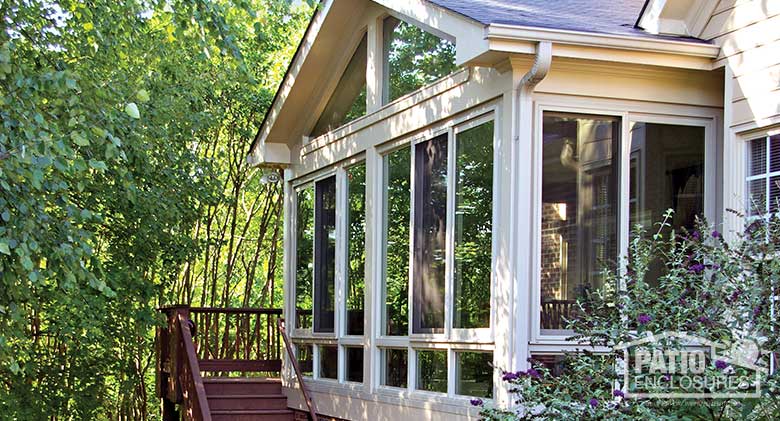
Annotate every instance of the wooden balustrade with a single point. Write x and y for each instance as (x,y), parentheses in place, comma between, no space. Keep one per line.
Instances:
(212,340)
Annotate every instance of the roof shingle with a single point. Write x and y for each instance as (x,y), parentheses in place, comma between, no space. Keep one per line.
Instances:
(615,17)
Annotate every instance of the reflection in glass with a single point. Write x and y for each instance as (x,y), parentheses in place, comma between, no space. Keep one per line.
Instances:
(667,172)
(432,371)
(430,222)
(348,101)
(395,368)
(329,360)
(325,255)
(413,58)
(397,176)
(304,353)
(304,256)
(354,364)
(356,245)
(473,226)
(474,374)
(579,210)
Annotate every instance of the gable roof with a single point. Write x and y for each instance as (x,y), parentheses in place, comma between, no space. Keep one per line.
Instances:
(613,17)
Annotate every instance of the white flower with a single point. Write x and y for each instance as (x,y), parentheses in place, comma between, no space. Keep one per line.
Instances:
(538,409)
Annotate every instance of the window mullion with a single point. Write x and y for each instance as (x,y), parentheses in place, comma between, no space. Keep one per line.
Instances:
(767,200)
(412,227)
(449,260)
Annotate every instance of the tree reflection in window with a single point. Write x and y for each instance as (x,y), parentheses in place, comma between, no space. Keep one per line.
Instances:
(413,58)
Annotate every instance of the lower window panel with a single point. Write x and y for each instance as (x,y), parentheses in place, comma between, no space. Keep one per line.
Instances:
(432,370)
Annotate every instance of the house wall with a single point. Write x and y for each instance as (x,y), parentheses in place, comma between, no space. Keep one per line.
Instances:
(748,32)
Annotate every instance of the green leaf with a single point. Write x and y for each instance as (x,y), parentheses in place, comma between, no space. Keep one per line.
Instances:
(142,95)
(79,139)
(132,110)
(98,165)
(6,215)
(4,247)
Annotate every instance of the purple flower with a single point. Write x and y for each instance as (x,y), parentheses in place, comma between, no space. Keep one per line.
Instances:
(757,311)
(618,393)
(715,234)
(704,320)
(667,377)
(477,402)
(697,268)
(509,376)
(721,365)
(593,402)
(534,374)
(644,319)
(696,235)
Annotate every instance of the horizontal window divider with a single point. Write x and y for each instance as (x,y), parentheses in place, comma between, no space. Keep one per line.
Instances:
(558,348)
(353,341)
(762,176)
(314,340)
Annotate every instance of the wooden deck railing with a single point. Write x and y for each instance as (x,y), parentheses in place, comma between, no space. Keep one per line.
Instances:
(199,340)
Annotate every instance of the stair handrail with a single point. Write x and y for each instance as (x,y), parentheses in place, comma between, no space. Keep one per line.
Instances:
(194,393)
(306,396)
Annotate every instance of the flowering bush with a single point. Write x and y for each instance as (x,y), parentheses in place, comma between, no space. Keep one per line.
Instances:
(693,282)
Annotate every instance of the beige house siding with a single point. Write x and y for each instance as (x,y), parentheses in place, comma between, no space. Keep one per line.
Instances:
(749,35)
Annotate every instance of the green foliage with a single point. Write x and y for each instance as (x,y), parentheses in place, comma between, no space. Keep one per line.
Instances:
(105,177)
(706,287)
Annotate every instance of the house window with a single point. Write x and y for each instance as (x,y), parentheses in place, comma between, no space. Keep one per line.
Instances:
(439,193)
(304,257)
(356,248)
(430,242)
(413,58)
(354,358)
(329,357)
(348,101)
(582,165)
(432,370)
(304,354)
(579,209)
(474,374)
(394,367)
(325,254)
(473,227)
(763,181)
(396,220)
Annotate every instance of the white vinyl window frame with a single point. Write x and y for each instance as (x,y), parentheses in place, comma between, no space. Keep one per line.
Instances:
(450,340)
(766,174)
(555,343)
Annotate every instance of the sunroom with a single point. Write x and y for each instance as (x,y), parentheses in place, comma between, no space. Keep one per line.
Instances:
(454,181)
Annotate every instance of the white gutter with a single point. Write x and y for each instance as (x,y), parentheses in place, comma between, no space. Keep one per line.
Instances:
(499,32)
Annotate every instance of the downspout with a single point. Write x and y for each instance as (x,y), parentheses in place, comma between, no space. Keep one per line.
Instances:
(524,209)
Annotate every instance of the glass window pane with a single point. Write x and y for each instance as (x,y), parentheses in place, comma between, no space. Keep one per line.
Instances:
(395,368)
(413,58)
(432,371)
(348,101)
(669,174)
(774,194)
(473,226)
(474,374)
(397,242)
(304,257)
(304,355)
(579,210)
(329,362)
(354,364)
(325,255)
(356,240)
(757,159)
(774,153)
(430,222)
(757,197)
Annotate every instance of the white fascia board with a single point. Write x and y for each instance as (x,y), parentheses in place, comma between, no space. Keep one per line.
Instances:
(273,155)
(501,32)
(468,34)
(699,16)
(292,73)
